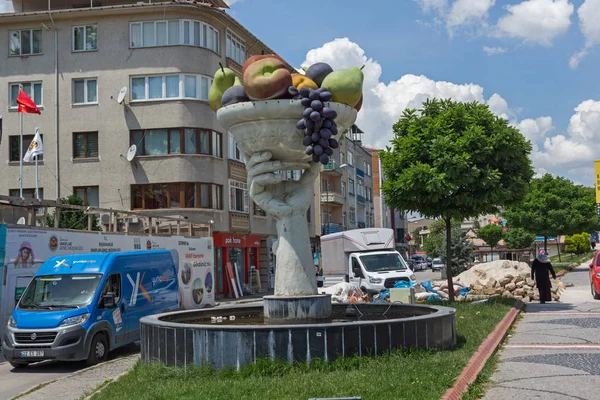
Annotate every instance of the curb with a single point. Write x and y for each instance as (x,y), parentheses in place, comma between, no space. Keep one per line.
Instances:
(484,352)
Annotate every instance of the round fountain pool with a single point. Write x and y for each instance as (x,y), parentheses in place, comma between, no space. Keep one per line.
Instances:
(213,337)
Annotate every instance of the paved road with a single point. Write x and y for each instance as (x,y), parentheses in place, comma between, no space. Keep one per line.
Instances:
(554,353)
(14,382)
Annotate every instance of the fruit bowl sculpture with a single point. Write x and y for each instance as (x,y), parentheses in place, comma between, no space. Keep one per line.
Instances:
(283,121)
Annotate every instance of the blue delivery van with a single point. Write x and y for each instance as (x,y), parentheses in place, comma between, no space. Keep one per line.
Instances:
(81,306)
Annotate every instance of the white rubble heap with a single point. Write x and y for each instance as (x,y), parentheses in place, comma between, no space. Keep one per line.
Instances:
(497,278)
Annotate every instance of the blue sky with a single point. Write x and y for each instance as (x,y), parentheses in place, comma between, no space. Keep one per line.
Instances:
(415,49)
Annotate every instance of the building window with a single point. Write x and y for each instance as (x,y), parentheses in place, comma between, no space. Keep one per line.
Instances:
(88,194)
(177,195)
(85,145)
(27,193)
(238,196)
(233,152)
(369,169)
(85,91)
(259,212)
(174,32)
(343,189)
(25,42)
(236,48)
(341,159)
(350,159)
(170,87)
(85,38)
(32,89)
(352,215)
(351,186)
(152,142)
(13,147)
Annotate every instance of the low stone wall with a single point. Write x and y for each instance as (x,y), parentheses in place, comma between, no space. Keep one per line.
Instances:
(168,339)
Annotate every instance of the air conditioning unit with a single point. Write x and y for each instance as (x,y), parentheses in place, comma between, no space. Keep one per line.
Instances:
(134,220)
(105,219)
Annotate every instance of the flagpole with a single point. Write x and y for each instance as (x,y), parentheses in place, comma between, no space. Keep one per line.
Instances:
(37,191)
(21,154)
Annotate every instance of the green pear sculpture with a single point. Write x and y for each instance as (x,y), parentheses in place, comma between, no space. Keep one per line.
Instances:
(345,85)
(223,80)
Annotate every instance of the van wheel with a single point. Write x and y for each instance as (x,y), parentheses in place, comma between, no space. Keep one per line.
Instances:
(18,365)
(98,350)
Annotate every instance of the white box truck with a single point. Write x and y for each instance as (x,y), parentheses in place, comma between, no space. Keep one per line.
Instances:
(364,257)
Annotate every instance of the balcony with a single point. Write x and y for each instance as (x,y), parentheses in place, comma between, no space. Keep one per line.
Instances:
(332,197)
(360,199)
(333,166)
(48,5)
(326,229)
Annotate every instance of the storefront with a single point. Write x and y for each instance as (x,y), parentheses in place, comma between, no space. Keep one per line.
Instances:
(242,251)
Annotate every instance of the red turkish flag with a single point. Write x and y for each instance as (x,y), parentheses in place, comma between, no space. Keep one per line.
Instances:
(25,104)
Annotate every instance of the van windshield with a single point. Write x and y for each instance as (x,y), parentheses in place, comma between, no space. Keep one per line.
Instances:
(383,262)
(49,292)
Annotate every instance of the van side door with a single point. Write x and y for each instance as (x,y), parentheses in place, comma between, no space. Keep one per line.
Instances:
(113,315)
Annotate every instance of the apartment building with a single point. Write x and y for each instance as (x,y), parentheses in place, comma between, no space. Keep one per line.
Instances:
(73,58)
(347,186)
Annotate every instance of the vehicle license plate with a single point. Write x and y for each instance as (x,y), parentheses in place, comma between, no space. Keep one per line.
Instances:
(32,353)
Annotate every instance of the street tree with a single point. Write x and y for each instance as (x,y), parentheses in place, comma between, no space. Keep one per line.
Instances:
(491,234)
(462,250)
(73,219)
(555,206)
(455,160)
(518,239)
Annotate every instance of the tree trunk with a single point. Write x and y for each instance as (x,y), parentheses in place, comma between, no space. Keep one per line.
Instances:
(491,254)
(449,258)
(558,247)
(546,244)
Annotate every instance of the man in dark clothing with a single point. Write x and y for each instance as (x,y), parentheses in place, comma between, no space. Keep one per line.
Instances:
(539,272)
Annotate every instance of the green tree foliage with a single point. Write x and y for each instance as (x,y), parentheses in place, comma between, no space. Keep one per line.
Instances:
(462,250)
(578,243)
(491,234)
(518,238)
(455,160)
(73,219)
(555,206)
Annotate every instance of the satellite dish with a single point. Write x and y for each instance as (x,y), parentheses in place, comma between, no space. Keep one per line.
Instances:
(21,221)
(131,152)
(122,94)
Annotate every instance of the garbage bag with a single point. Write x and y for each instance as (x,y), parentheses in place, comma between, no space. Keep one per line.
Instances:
(404,284)
(464,291)
(384,294)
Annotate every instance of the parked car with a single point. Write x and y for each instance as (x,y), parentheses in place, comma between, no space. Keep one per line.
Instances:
(437,264)
(429,262)
(595,276)
(420,261)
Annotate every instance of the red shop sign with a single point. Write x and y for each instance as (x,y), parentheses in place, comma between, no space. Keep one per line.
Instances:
(233,240)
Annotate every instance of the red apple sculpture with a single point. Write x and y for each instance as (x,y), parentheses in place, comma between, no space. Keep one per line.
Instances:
(254,59)
(267,78)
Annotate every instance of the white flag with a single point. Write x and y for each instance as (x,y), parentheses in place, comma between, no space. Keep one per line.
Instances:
(36,148)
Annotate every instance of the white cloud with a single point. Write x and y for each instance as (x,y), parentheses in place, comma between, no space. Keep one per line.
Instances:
(458,13)
(536,21)
(492,51)
(585,124)
(499,106)
(231,2)
(383,103)
(589,15)
(464,12)
(535,129)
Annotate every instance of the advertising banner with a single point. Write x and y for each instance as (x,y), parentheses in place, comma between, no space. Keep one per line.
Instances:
(27,249)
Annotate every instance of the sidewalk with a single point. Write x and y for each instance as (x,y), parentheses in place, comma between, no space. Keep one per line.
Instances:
(554,353)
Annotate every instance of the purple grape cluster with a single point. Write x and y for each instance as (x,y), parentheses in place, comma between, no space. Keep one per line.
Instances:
(318,124)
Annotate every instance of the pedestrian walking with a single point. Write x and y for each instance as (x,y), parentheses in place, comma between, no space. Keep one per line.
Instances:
(539,272)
